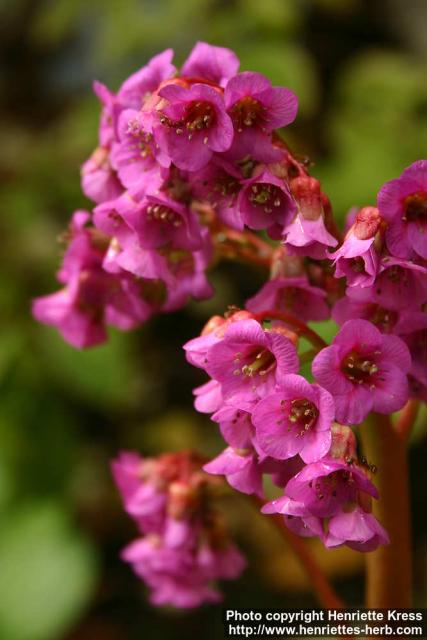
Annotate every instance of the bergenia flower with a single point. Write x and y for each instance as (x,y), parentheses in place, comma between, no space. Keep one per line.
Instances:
(192,125)
(292,295)
(401,284)
(265,202)
(249,361)
(219,183)
(364,370)
(403,204)
(412,328)
(348,309)
(99,181)
(242,469)
(358,259)
(185,547)
(295,419)
(135,89)
(324,499)
(307,234)
(256,109)
(135,156)
(217,64)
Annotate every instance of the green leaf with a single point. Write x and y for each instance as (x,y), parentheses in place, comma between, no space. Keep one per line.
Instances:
(47,573)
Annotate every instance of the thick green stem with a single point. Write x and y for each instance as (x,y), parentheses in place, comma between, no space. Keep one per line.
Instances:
(389,568)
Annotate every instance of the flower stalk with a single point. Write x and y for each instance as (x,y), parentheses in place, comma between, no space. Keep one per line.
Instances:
(389,568)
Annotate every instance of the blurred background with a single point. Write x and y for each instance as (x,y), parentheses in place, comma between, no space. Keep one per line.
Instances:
(359,68)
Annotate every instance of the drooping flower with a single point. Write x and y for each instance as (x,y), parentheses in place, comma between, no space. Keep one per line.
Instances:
(241,467)
(307,234)
(331,499)
(364,370)
(192,125)
(403,204)
(357,259)
(185,547)
(295,419)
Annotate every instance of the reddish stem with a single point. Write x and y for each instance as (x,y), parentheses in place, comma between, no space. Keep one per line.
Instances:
(407,418)
(300,326)
(324,591)
(389,568)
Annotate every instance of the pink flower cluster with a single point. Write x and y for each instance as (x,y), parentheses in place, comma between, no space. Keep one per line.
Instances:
(384,261)
(180,154)
(275,422)
(190,167)
(184,547)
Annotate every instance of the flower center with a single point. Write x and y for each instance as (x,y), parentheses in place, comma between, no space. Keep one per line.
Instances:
(142,138)
(358,368)
(199,115)
(357,264)
(303,414)
(267,196)
(383,318)
(416,207)
(263,362)
(161,213)
(247,112)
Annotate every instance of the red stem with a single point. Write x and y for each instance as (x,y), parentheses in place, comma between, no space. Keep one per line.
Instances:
(389,568)
(407,418)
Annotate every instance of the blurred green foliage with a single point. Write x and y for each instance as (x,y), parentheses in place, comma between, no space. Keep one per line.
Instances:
(360,79)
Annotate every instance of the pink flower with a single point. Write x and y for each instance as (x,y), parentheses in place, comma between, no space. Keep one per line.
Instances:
(295,419)
(348,309)
(265,202)
(325,499)
(249,361)
(92,297)
(219,183)
(242,469)
(143,499)
(217,64)
(364,371)
(208,397)
(135,157)
(98,179)
(185,549)
(179,577)
(403,204)
(158,221)
(357,259)
(256,109)
(292,295)
(192,125)
(400,285)
(235,425)
(412,328)
(134,90)
(307,235)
